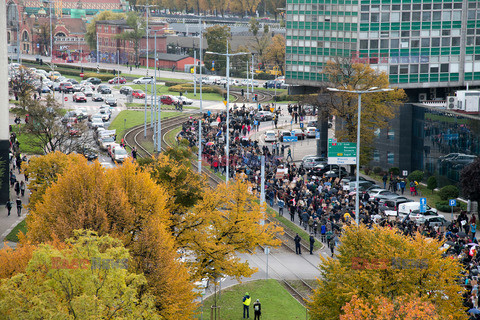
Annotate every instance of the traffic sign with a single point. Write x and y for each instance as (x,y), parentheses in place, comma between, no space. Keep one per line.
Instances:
(317,134)
(405,173)
(423,205)
(301,125)
(452,202)
(66,99)
(255,123)
(82,74)
(341,152)
(290,139)
(225,102)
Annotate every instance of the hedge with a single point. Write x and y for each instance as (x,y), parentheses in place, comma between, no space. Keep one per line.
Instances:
(103,77)
(449,192)
(445,207)
(189,88)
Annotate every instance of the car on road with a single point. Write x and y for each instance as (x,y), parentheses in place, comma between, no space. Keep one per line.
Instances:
(104,89)
(270,136)
(89,154)
(54,75)
(139,94)
(97,97)
(111,100)
(185,100)
(84,83)
(126,90)
(87,91)
(299,134)
(391,204)
(311,131)
(72,81)
(168,100)
(248,82)
(106,141)
(433,221)
(77,88)
(263,116)
(96,123)
(94,80)
(46,89)
(79,97)
(284,133)
(143,80)
(117,80)
(312,161)
(66,87)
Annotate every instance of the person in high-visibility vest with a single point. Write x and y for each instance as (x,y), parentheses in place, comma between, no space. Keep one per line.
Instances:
(246,305)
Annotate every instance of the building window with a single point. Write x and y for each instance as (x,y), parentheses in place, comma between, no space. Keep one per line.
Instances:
(376,155)
(390,157)
(390,134)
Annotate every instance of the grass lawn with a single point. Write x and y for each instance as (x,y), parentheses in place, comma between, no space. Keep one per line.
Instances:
(170,137)
(276,302)
(127,119)
(13,235)
(27,143)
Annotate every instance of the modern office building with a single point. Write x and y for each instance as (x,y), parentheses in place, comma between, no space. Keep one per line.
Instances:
(427,48)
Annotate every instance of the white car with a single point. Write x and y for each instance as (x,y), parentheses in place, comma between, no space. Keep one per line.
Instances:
(143,80)
(311,132)
(185,100)
(270,136)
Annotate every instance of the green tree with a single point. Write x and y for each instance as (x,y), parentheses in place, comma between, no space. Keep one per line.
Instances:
(217,37)
(449,192)
(470,180)
(431,183)
(136,32)
(416,175)
(377,108)
(91,35)
(382,263)
(22,85)
(261,41)
(86,279)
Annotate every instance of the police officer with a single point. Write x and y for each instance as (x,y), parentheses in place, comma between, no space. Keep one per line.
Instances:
(246,305)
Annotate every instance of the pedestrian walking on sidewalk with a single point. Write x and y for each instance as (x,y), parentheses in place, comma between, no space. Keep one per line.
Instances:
(257,310)
(312,243)
(298,249)
(9,206)
(289,154)
(19,206)
(17,188)
(22,188)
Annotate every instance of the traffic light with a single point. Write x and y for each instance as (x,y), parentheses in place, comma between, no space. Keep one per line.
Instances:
(256,97)
(41,62)
(242,93)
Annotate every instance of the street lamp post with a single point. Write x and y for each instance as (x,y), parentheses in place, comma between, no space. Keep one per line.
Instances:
(228,55)
(359,92)
(201,99)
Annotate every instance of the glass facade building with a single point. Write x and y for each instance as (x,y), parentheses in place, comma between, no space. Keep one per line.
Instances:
(420,44)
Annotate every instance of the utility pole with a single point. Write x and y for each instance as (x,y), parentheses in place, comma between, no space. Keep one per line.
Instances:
(98,54)
(154,105)
(201,100)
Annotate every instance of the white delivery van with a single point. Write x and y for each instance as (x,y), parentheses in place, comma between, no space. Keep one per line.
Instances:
(405,208)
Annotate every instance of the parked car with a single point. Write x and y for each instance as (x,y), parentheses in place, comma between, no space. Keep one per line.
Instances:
(46,89)
(106,141)
(66,87)
(94,80)
(77,88)
(139,94)
(126,90)
(284,133)
(143,80)
(270,136)
(310,132)
(111,100)
(168,100)
(54,75)
(97,97)
(433,221)
(84,83)
(79,97)
(185,100)
(299,134)
(120,80)
(104,89)
(391,204)
(72,81)
(263,116)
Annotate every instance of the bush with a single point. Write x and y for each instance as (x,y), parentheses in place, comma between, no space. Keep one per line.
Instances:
(174,83)
(449,192)
(377,170)
(431,183)
(395,171)
(444,206)
(416,175)
(367,171)
(189,88)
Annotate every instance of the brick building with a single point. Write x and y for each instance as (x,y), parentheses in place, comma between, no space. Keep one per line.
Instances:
(112,49)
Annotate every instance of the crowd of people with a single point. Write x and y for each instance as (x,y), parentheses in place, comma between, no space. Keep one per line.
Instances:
(320,204)
(18,185)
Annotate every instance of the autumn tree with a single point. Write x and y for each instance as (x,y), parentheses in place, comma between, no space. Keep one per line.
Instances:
(22,85)
(15,260)
(91,34)
(377,108)
(409,307)
(470,180)
(127,204)
(43,172)
(137,29)
(87,278)
(50,134)
(381,263)
(227,220)
(217,37)
(43,35)
(275,52)
(261,40)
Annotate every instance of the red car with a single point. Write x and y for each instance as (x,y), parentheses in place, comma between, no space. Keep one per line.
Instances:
(79,97)
(120,80)
(168,100)
(139,94)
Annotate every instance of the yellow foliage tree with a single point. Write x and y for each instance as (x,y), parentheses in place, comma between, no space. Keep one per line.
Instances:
(377,108)
(87,279)
(227,220)
(13,261)
(126,203)
(43,171)
(275,53)
(380,262)
(409,307)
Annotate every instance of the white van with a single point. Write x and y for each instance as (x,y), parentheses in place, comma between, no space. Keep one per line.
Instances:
(212,80)
(405,208)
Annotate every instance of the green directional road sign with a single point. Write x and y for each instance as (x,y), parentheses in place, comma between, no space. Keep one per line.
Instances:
(341,152)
